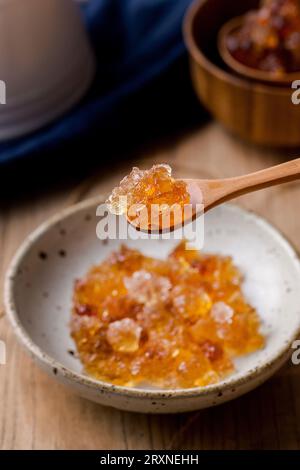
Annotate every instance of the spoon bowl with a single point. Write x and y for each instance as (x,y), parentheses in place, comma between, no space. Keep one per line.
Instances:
(174,217)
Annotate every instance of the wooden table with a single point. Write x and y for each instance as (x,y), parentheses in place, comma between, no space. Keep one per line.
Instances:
(37,413)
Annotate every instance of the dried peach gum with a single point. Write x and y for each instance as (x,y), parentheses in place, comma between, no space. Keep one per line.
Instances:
(269,39)
(174,323)
(142,190)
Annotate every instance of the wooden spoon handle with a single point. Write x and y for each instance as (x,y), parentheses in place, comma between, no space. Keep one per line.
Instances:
(278,174)
(229,188)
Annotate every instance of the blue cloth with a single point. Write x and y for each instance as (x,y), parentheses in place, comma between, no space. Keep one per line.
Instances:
(136,42)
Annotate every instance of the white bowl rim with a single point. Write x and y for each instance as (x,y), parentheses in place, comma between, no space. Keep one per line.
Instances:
(36,352)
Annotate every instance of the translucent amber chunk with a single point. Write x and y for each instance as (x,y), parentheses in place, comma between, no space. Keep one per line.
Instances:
(173,323)
(124,335)
(269,39)
(148,196)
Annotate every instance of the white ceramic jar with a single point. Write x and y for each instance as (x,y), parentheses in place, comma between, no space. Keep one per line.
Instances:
(46,62)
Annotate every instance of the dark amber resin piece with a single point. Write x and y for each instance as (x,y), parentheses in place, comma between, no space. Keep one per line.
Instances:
(269,39)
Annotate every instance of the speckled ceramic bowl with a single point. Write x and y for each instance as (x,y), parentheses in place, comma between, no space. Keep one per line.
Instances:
(38,292)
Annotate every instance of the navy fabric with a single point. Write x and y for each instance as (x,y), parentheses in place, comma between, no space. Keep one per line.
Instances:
(136,42)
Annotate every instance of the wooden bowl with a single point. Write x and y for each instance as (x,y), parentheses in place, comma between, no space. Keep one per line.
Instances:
(249,72)
(261,113)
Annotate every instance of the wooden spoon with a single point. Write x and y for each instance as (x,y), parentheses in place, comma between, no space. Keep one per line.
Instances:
(210,193)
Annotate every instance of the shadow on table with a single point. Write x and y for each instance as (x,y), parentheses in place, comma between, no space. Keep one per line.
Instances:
(159,113)
(266,418)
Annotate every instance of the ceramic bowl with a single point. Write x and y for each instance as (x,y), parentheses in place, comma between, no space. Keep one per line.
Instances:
(38,295)
(46,62)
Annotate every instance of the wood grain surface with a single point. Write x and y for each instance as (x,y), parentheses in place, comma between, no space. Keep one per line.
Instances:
(37,413)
